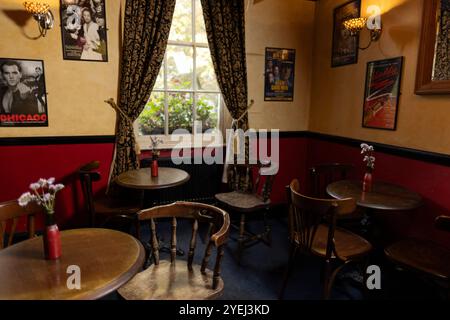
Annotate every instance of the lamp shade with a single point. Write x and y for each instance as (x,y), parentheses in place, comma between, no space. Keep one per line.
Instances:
(36,7)
(355,25)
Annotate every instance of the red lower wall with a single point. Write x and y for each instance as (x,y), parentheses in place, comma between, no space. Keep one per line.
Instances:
(21,165)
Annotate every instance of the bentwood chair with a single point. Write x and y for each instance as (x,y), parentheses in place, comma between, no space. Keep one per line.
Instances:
(313,231)
(423,257)
(171,280)
(251,194)
(10,215)
(106,207)
(322,175)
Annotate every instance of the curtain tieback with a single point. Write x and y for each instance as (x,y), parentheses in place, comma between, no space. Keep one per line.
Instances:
(235,121)
(114,105)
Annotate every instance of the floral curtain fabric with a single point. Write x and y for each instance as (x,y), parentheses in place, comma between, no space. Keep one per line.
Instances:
(442,55)
(146,31)
(225,28)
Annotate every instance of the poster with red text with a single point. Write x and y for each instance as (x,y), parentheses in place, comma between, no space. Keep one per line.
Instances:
(23,98)
(382,93)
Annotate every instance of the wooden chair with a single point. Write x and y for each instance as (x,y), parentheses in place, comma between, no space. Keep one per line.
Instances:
(313,231)
(10,213)
(323,174)
(171,280)
(424,257)
(105,206)
(248,197)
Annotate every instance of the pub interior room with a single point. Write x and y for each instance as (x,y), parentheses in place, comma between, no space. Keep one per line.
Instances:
(225,149)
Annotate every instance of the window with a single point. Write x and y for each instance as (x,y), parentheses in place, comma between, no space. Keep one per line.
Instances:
(186,88)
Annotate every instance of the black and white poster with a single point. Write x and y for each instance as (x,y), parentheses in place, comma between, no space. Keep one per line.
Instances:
(83,28)
(23,98)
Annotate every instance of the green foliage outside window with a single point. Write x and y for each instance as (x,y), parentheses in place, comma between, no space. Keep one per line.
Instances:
(151,120)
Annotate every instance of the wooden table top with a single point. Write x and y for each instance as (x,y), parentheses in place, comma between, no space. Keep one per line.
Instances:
(107,260)
(142,178)
(384,196)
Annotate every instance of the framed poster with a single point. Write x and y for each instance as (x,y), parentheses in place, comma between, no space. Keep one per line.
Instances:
(23,98)
(381,95)
(345,46)
(279,74)
(83,30)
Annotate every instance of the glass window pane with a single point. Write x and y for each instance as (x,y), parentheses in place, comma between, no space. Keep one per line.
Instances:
(179,67)
(181,28)
(200,30)
(151,119)
(206,77)
(180,111)
(159,84)
(208,110)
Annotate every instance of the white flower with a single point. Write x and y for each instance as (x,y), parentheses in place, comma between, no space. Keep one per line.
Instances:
(47,196)
(42,182)
(35,186)
(58,187)
(51,180)
(24,199)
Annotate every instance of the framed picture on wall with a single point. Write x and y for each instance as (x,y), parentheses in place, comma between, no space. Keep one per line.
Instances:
(23,98)
(279,74)
(83,30)
(344,47)
(382,92)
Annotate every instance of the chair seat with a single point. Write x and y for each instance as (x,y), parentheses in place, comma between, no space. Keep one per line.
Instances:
(421,255)
(241,201)
(348,245)
(167,281)
(110,206)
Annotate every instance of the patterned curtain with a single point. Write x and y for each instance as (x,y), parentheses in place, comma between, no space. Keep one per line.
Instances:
(225,27)
(442,56)
(146,31)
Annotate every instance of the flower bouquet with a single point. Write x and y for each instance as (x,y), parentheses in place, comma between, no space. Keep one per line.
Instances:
(44,193)
(367,151)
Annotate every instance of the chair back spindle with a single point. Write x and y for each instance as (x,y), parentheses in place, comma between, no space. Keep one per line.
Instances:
(217,218)
(10,213)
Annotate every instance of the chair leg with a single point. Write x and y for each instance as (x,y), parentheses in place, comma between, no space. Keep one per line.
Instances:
(241,237)
(326,279)
(329,278)
(138,229)
(267,230)
(290,267)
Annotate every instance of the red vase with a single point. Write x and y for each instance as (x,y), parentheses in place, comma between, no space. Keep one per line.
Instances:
(367,182)
(52,240)
(154,168)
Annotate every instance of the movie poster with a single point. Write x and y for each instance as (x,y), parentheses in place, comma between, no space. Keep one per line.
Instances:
(83,28)
(279,74)
(345,46)
(382,93)
(23,98)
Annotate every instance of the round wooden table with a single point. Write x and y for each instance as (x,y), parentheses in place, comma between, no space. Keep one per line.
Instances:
(384,196)
(107,259)
(143,180)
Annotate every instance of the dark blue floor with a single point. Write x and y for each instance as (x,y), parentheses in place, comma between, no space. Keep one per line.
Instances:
(262,268)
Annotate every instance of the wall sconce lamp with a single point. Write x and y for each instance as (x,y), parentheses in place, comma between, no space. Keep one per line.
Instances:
(42,14)
(356,25)
(373,24)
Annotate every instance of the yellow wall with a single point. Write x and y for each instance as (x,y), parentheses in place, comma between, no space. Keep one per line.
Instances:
(76,90)
(280,24)
(337,93)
